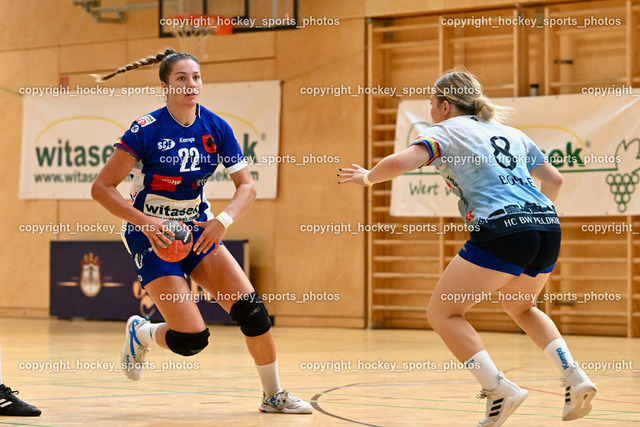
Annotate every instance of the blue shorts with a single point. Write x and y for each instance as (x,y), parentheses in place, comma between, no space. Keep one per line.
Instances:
(528,252)
(149,266)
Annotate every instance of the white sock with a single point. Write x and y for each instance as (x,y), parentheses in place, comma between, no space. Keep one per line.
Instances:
(483,368)
(559,354)
(147,333)
(269,378)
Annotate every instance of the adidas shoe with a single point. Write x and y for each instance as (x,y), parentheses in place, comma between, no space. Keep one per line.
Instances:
(134,353)
(11,406)
(285,403)
(579,391)
(501,402)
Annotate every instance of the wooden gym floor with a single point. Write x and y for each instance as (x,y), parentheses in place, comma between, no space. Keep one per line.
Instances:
(62,367)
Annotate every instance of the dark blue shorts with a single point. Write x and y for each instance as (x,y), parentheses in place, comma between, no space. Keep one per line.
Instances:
(149,266)
(528,252)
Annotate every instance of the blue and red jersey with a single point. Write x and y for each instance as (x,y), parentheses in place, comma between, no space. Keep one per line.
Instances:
(174,162)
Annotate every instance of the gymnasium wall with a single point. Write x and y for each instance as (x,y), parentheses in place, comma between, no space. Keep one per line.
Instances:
(595,48)
(44,40)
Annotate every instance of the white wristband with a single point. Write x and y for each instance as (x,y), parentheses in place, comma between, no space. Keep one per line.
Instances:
(365,179)
(224,219)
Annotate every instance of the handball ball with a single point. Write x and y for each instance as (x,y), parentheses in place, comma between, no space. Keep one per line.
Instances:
(181,242)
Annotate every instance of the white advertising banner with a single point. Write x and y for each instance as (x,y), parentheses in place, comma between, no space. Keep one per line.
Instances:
(67,136)
(594,141)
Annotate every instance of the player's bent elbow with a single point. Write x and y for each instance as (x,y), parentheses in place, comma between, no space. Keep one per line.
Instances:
(554,180)
(548,174)
(254,191)
(96,190)
(558,180)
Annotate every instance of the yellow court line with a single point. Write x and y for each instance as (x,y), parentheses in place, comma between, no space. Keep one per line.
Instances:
(66,119)
(575,135)
(239,119)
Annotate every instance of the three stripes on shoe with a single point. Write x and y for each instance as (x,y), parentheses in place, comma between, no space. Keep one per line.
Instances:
(495,410)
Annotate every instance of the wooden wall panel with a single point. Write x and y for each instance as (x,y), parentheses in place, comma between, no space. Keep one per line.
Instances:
(332,9)
(82,58)
(25,257)
(29,24)
(282,258)
(331,126)
(561,59)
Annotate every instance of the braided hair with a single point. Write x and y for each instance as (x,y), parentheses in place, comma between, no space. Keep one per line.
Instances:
(166,59)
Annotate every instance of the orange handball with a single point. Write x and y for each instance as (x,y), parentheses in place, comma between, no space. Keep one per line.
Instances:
(181,242)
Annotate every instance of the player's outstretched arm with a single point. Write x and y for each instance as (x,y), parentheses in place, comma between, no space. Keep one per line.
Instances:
(551,180)
(242,199)
(390,167)
(104,191)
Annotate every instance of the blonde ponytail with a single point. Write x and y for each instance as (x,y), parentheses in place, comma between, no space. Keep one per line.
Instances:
(462,89)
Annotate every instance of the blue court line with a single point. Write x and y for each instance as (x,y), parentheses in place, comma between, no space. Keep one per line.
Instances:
(226,390)
(329,392)
(136,395)
(233,393)
(588,417)
(161,382)
(21,424)
(464,402)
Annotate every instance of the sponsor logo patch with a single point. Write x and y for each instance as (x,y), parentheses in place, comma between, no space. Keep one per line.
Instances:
(165,183)
(166,208)
(145,120)
(209,145)
(166,144)
(469,215)
(135,128)
(200,182)
(187,140)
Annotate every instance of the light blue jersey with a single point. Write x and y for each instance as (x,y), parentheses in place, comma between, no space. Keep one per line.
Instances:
(487,166)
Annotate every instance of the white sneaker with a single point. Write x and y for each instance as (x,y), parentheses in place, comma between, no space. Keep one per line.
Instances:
(285,403)
(579,390)
(134,353)
(501,402)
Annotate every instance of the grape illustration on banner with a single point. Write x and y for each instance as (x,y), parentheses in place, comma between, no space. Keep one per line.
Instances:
(622,183)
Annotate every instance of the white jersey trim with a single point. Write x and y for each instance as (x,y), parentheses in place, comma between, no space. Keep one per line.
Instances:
(207,211)
(194,120)
(238,166)
(123,230)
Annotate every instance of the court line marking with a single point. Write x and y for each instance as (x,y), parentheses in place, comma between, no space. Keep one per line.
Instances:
(316,397)
(595,398)
(468,402)
(161,383)
(21,424)
(315,404)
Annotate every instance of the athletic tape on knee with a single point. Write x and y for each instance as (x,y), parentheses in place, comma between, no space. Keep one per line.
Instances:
(187,344)
(251,315)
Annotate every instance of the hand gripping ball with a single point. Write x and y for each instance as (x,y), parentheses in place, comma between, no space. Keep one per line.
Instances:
(181,242)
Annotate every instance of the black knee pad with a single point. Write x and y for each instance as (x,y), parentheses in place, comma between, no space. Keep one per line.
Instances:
(251,315)
(187,344)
